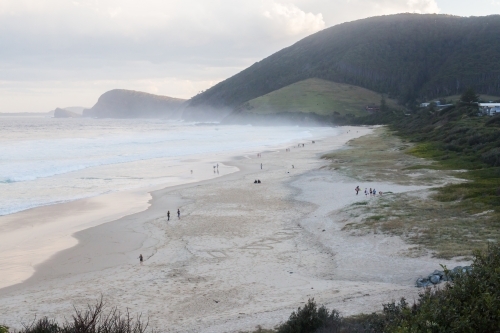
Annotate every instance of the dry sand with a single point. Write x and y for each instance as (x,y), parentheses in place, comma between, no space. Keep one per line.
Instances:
(241,255)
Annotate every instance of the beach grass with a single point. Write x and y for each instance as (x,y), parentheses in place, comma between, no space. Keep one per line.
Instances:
(451,220)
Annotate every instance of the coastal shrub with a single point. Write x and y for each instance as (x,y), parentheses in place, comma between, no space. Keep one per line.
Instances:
(94,319)
(309,319)
(43,325)
(492,157)
(4,329)
(470,304)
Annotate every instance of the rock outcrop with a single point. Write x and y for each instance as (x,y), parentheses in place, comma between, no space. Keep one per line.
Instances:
(437,277)
(63,113)
(120,103)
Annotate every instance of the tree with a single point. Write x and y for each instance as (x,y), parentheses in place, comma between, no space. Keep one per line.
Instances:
(432,107)
(383,105)
(469,96)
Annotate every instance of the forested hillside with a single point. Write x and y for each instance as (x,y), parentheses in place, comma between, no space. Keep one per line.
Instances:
(410,57)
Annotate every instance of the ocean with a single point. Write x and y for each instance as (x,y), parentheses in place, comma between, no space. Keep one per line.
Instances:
(45,161)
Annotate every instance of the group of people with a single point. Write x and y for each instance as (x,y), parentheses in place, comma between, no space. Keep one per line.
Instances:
(259,155)
(372,192)
(257,181)
(178,214)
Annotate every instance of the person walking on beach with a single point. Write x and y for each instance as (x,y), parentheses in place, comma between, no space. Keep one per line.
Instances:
(374,192)
(261,166)
(366,192)
(140,258)
(371,192)
(357,190)
(179,213)
(168,215)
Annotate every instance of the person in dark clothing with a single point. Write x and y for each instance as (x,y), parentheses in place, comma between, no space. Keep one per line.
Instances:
(179,213)
(140,258)
(168,216)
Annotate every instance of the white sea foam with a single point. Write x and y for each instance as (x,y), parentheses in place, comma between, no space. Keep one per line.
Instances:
(45,161)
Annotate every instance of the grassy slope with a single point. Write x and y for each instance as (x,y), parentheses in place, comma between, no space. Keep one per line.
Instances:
(316,96)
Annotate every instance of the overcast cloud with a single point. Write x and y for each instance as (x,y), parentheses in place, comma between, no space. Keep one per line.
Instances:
(68,52)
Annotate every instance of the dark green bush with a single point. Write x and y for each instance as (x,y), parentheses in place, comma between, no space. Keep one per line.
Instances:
(470,304)
(43,325)
(309,319)
(492,157)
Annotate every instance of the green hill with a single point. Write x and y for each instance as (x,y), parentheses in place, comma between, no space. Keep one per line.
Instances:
(410,57)
(315,96)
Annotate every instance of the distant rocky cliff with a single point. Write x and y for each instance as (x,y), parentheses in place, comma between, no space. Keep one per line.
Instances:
(120,103)
(62,113)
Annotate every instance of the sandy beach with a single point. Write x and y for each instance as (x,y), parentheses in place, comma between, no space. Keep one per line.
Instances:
(30,237)
(241,255)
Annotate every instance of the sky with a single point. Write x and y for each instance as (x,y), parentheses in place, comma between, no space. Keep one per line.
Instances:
(60,53)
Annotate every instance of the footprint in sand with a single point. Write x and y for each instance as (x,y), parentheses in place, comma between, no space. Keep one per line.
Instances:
(266,243)
(218,254)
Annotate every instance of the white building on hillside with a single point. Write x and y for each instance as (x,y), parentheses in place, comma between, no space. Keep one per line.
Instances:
(489,109)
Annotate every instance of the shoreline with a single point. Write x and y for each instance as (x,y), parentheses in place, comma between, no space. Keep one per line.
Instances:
(127,228)
(31,237)
(241,255)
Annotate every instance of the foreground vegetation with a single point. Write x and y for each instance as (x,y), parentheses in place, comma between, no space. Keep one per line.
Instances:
(470,304)
(94,319)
